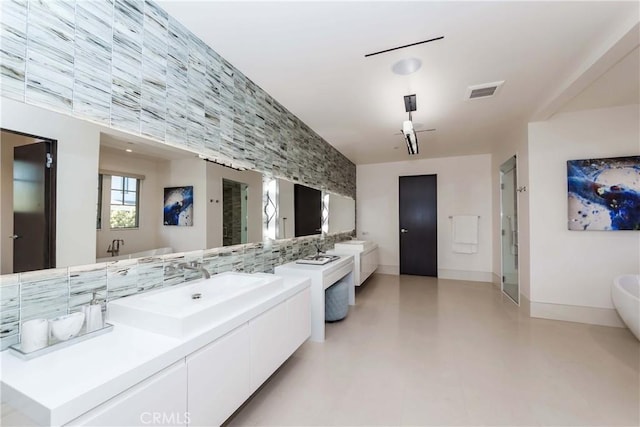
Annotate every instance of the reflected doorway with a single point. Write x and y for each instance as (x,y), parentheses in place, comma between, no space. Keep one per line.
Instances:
(509,224)
(234,212)
(27,180)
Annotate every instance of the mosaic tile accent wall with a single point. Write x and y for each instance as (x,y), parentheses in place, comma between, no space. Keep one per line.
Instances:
(50,293)
(129,65)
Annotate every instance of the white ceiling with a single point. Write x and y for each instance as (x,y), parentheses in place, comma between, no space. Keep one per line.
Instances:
(310,57)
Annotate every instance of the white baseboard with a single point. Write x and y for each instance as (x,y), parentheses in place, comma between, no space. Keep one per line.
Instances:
(576,313)
(388,269)
(525,305)
(473,276)
(496,280)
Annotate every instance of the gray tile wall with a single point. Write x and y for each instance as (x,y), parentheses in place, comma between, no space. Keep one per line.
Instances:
(50,293)
(129,65)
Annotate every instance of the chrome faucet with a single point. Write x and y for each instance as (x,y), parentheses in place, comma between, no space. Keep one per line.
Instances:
(195,266)
(114,247)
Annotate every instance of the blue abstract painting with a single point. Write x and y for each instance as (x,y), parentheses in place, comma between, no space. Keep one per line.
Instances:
(178,206)
(604,194)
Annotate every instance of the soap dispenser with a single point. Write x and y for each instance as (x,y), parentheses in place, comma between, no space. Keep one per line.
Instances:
(93,314)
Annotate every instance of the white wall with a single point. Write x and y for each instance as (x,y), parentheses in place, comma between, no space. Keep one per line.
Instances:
(576,268)
(464,188)
(144,237)
(77,175)
(182,173)
(215,175)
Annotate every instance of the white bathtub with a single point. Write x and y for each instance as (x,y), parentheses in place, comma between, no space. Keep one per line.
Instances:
(625,293)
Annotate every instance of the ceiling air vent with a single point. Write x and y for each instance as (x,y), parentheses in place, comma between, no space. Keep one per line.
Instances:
(483,91)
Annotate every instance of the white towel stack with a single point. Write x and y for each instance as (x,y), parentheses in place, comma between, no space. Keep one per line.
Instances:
(465,234)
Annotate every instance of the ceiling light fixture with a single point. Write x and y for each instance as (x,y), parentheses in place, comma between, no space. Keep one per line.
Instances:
(406,66)
(129,150)
(410,104)
(410,137)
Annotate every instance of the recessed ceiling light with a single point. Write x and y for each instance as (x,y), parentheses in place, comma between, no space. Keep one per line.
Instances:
(406,66)
(129,150)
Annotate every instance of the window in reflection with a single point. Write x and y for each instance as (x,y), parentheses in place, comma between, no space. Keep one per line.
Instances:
(124,202)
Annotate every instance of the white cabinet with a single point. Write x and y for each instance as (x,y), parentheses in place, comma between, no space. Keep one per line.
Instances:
(222,375)
(207,386)
(219,379)
(322,277)
(299,323)
(365,254)
(158,400)
(368,263)
(276,334)
(268,344)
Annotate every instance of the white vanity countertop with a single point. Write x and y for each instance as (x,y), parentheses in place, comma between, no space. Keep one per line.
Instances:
(60,386)
(315,269)
(353,246)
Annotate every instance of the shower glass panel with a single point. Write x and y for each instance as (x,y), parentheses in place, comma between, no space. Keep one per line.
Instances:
(509,215)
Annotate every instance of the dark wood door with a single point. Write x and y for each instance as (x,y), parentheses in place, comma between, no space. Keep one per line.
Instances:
(418,225)
(32,236)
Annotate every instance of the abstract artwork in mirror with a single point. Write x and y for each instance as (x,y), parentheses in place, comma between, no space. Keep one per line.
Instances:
(178,206)
(604,194)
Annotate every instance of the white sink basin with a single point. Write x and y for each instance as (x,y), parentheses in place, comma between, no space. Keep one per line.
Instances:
(180,310)
(355,245)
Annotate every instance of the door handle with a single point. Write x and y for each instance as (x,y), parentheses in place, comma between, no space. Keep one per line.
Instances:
(404,230)
(14,237)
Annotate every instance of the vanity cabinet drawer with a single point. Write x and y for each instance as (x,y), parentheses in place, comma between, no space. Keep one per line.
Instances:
(276,334)
(219,378)
(299,319)
(269,344)
(159,400)
(368,263)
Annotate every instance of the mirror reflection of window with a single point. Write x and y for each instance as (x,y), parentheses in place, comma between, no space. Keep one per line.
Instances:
(124,202)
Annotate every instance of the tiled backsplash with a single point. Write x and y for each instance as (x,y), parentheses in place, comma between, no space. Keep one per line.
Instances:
(50,293)
(129,65)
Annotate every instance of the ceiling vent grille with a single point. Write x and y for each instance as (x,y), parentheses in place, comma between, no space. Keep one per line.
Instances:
(486,90)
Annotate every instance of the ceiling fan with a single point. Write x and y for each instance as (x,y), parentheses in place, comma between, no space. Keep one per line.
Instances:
(408,130)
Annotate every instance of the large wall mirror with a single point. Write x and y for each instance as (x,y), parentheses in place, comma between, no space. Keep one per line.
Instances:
(319,211)
(155,200)
(342,213)
(123,196)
